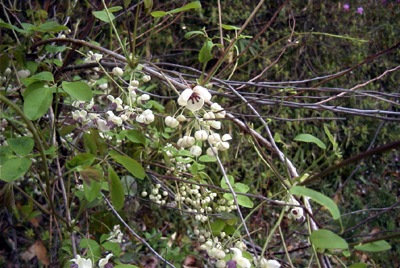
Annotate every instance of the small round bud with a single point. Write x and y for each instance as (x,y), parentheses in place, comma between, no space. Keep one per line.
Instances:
(7,72)
(134,83)
(181,118)
(23,73)
(144,193)
(195,150)
(117,71)
(146,78)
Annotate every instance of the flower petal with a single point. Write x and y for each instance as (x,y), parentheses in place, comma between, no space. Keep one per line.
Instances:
(272,264)
(243,262)
(203,92)
(195,104)
(184,97)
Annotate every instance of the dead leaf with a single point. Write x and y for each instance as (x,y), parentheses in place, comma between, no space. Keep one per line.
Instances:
(36,250)
(41,253)
(29,254)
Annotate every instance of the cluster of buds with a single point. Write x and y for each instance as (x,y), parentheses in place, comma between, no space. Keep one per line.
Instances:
(156,194)
(206,123)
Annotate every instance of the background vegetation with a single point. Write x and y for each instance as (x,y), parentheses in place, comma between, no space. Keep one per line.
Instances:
(294,55)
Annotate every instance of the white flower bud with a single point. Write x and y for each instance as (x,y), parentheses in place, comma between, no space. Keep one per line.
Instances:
(23,73)
(146,78)
(223,145)
(134,83)
(188,141)
(145,97)
(209,115)
(117,71)
(214,138)
(195,150)
(215,124)
(181,118)
(220,254)
(226,137)
(201,135)
(7,72)
(210,153)
(171,122)
(220,264)
(144,193)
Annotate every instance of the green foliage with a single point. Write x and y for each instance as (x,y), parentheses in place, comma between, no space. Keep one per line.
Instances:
(72,130)
(326,239)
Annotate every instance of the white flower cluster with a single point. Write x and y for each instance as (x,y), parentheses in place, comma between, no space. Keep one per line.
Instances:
(80,262)
(116,235)
(197,198)
(213,246)
(193,100)
(157,195)
(118,113)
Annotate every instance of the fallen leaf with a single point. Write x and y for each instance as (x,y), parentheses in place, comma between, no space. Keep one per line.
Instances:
(41,253)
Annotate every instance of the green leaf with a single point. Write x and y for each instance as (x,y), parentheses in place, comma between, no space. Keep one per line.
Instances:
(89,143)
(310,138)
(92,190)
(116,189)
(135,135)
(37,103)
(223,182)
(192,5)
(157,14)
(43,76)
(32,87)
(50,26)
(115,248)
(241,199)
(92,245)
(90,173)
(323,238)
(230,27)
(114,9)
(218,225)
(157,105)
(358,265)
(240,188)
(4,60)
(189,34)
(205,52)
(244,201)
(84,159)
(376,246)
(78,90)
(184,153)
(277,138)
(332,140)
(319,198)
(131,165)
(13,169)
(54,49)
(102,15)
(22,145)
(206,158)
(129,184)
